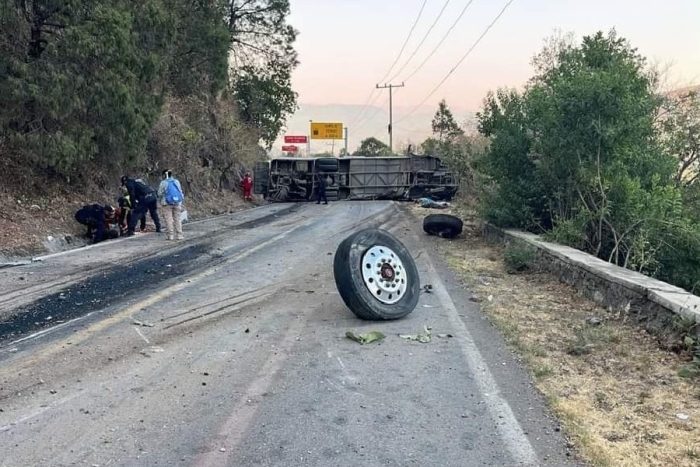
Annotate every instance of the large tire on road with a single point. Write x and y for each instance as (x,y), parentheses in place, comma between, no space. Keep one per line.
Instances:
(376,276)
(442,225)
(327,164)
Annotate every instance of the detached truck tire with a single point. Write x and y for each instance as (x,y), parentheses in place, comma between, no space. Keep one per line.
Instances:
(443,225)
(376,276)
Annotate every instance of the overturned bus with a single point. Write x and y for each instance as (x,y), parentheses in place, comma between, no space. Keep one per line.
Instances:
(355,178)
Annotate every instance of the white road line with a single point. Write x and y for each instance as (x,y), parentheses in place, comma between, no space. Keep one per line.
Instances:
(138,331)
(508,426)
(36,413)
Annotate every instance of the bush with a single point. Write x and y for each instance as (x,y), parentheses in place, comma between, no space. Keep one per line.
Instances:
(519,256)
(580,155)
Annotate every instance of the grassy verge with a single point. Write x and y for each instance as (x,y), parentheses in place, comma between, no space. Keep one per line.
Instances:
(616,392)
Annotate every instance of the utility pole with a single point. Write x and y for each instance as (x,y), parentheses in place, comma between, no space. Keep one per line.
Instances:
(391,115)
(308,141)
(346,142)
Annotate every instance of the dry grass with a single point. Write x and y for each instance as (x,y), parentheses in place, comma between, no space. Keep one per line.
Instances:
(26,223)
(615,391)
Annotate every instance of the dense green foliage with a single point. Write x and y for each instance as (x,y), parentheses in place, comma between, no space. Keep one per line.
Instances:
(585,154)
(457,149)
(83,82)
(264,60)
(372,147)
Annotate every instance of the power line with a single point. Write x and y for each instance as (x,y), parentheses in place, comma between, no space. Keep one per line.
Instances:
(376,110)
(410,33)
(459,62)
(421,42)
(363,121)
(464,10)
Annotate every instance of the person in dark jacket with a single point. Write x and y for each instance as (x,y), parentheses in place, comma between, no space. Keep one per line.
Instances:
(322,189)
(94,217)
(127,209)
(144,199)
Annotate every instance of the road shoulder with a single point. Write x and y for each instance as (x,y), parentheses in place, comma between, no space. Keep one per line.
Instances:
(618,396)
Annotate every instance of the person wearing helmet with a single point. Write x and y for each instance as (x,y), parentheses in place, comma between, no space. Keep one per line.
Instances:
(144,198)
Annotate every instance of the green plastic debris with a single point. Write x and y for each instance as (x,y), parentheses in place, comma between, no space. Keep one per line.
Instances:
(366,338)
(422,337)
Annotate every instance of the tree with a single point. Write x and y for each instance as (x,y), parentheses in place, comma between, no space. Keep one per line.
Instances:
(200,48)
(372,147)
(578,154)
(82,80)
(264,59)
(680,123)
(430,146)
(444,125)
(264,99)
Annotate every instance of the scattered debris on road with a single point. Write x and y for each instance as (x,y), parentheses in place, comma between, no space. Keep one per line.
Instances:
(432,204)
(142,323)
(366,338)
(423,337)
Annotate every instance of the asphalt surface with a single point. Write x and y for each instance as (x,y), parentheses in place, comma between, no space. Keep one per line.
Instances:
(229,349)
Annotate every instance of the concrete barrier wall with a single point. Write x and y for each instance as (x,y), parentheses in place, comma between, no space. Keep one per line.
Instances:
(622,290)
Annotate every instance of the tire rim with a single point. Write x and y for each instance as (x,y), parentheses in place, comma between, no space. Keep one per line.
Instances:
(384,274)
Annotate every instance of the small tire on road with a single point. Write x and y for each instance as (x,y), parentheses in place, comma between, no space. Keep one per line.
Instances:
(376,276)
(442,225)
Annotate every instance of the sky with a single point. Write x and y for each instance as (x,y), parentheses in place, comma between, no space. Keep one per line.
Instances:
(347,46)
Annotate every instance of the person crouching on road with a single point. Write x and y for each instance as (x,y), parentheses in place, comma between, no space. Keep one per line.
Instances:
(145,199)
(94,217)
(247,185)
(171,198)
(113,221)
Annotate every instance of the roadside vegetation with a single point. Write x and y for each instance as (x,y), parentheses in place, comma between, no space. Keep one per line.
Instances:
(92,89)
(593,152)
(621,399)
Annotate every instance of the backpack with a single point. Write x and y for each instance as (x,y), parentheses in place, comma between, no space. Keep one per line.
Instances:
(173,195)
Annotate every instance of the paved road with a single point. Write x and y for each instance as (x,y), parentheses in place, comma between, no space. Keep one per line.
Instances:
(230,350)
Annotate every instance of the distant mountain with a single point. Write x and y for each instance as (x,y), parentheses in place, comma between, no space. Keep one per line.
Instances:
(373,121)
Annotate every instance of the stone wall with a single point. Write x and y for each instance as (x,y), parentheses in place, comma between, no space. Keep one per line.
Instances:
(655,304)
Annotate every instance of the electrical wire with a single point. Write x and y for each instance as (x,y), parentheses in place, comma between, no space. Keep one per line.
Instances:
(421,42)
(369,119)
(410,33)
(464,10)
(454,24)
(488,28)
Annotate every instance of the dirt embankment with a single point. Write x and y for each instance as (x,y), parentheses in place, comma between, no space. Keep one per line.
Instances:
(33,225)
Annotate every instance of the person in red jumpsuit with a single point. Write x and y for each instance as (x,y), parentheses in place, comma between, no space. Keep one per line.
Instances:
(247,185)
